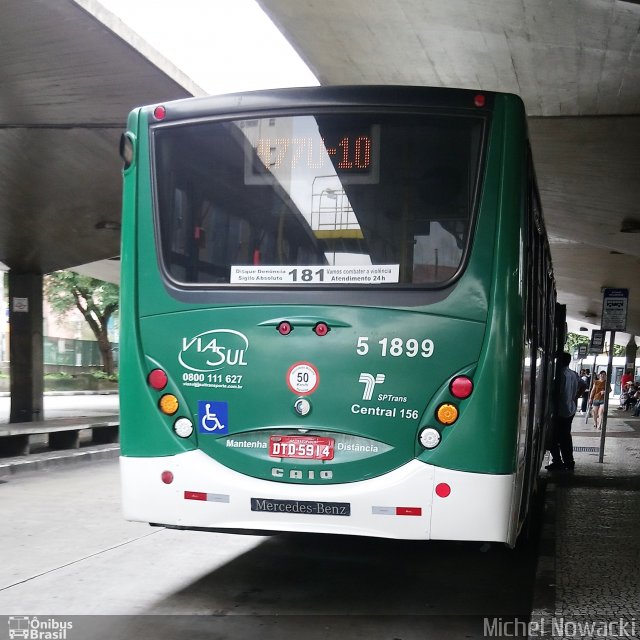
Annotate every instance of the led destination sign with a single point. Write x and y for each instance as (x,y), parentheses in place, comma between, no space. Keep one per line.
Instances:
(349,153)
(279,148)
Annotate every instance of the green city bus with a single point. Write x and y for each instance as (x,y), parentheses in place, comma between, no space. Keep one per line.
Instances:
(338,314)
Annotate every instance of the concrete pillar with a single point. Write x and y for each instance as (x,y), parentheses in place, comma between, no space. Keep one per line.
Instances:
(26,347)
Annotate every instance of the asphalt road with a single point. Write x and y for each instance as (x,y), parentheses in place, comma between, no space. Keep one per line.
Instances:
(65,551)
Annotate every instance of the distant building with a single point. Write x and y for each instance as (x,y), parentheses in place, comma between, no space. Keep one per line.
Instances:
(68,342)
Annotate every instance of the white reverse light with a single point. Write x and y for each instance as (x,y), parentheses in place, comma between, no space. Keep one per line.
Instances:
(429,438)
(183,427)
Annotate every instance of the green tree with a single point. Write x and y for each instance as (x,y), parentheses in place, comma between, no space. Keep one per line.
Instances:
(575,339)
(96,300)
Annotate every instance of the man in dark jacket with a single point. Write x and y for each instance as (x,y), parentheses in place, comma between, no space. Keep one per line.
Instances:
(568,388)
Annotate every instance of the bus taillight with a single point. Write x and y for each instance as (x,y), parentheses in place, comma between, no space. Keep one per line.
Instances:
(429,438)
(447,414)
(461,387)
(157,379)
(183,427)
(169,404)
(160,112)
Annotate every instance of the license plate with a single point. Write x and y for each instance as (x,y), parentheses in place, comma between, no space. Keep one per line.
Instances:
(308,507)
(301,447)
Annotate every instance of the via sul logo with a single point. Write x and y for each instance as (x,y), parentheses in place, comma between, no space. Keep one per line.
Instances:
(214,350)
(370,381)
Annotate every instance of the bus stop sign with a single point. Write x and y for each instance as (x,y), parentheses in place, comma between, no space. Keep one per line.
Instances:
(597,341)
(614,309)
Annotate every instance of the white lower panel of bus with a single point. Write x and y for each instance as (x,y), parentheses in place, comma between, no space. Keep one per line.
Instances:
(416,501)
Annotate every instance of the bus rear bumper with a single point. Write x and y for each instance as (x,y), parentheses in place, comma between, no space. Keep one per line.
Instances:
(410,502)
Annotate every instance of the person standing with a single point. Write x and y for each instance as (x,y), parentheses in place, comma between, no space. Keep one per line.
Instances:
(596,398)
(627,377)
(568,388)
(586,379)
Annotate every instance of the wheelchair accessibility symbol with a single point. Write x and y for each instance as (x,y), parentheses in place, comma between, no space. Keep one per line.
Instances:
(213,417)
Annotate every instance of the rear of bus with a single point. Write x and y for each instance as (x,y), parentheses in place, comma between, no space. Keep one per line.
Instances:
(322,313)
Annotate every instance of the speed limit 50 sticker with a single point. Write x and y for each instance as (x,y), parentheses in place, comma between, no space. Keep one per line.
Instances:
(303,378)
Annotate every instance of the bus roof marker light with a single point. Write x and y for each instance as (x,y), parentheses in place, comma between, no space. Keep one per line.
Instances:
(321,329)
(284,328)
(169,404)
(447,413)
(157,379)
(166,477)
(480,100)
(461,387)
(160,112)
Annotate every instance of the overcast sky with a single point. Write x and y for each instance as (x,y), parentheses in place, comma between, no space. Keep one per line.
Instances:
(222,45)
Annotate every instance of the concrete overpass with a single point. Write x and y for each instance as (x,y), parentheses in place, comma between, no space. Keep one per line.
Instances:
(70,72)
(575,63)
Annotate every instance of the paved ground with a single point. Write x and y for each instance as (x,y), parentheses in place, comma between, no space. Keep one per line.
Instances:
(589,570)
(84,406)
(588,574)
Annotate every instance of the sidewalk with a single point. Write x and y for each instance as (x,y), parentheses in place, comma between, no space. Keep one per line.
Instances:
(76,392)
(590,565)
(61,408)
(47,460)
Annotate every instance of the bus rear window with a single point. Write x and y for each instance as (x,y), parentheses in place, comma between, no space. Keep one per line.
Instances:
(330,199)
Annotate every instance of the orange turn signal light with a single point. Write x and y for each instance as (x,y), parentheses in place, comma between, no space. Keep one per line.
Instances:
(447,413)
(168,404)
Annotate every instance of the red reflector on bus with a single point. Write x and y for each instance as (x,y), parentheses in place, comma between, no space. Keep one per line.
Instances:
(195,495)
(443,490)
(480,100)
(160,113)
(408,511)
(166,477)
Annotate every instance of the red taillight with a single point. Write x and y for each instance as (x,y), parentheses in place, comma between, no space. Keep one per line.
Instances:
(160,113)
(461,387)
(480,100)
(157,379)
